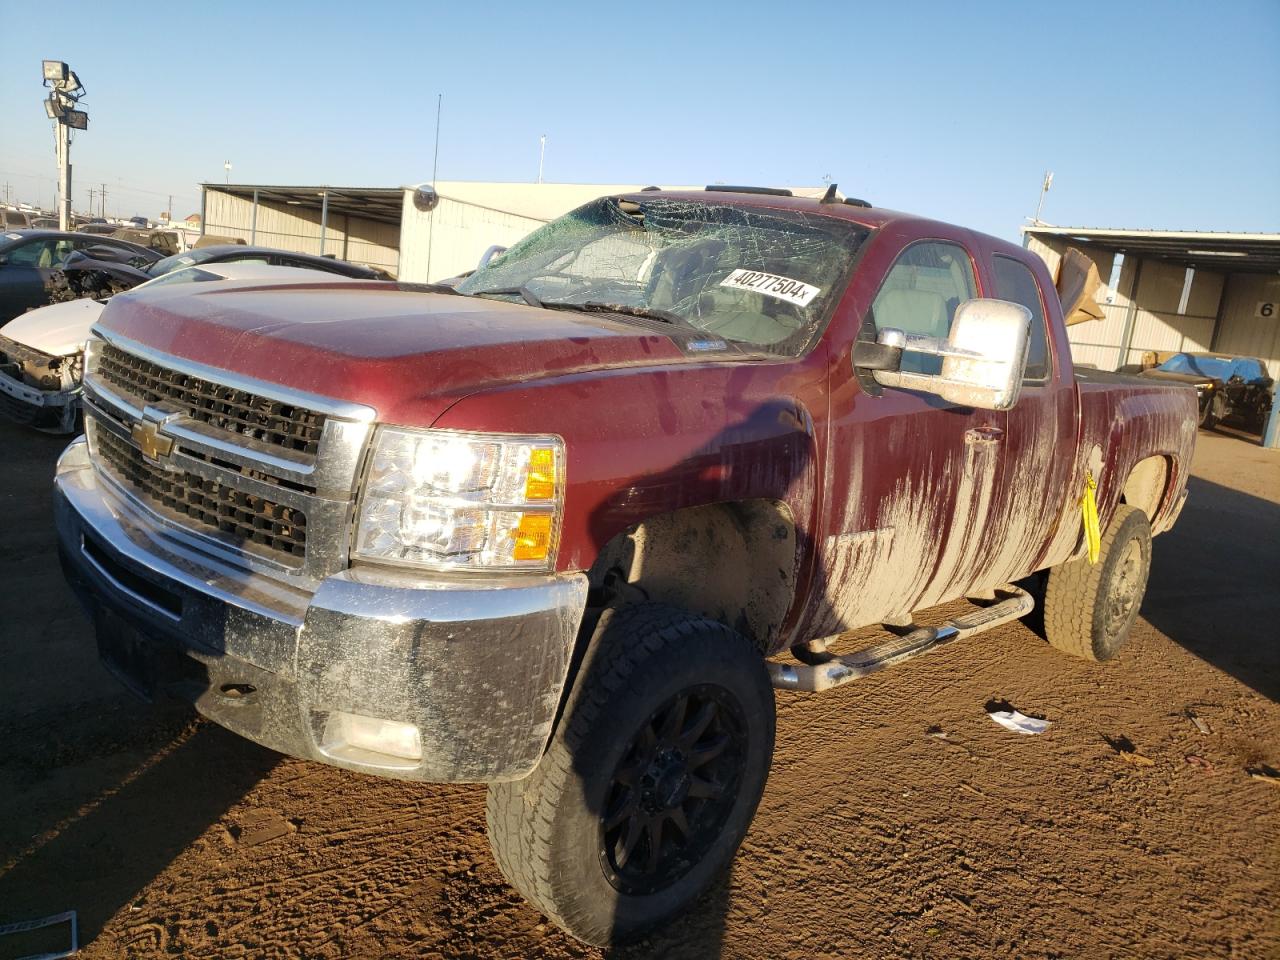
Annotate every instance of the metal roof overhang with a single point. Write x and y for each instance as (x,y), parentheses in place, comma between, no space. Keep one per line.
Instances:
(1205,250)
(384,204)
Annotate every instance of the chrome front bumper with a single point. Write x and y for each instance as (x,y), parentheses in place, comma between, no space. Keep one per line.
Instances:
(51,410)
(477,667)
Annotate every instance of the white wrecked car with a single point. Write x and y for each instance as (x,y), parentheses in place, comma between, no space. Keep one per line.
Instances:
(42,351)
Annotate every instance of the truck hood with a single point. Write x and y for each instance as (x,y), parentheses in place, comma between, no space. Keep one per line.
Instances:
(409,355)
(59,329)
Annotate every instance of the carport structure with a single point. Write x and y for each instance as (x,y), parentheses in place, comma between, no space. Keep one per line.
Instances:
(361,224)
(1172,291)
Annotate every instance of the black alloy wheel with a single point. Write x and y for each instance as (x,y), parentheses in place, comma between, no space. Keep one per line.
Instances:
(673,790)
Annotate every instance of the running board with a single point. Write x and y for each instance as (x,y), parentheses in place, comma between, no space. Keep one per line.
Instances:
(1012,603)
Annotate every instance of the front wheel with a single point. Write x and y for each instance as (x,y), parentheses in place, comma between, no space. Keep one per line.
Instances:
(650,781)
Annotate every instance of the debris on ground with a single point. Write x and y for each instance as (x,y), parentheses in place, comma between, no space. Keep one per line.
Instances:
(936,732)
(1127,752)
(1011,719)
(1200,762)
(261,826)
(1265,774)
(1201,724)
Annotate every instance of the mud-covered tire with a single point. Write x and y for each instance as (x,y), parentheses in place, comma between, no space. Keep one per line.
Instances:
(551,832)
(1090,608)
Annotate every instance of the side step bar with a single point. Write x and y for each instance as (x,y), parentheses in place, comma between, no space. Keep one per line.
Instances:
(833,671)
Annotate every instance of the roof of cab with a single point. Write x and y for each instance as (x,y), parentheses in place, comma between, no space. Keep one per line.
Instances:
(871,217)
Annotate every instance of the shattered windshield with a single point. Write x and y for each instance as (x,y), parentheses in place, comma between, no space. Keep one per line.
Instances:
(768,278)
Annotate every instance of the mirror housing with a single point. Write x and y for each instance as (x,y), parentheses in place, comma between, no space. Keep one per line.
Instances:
(983,358)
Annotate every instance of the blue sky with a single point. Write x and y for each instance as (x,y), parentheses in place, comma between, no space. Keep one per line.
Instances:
(1150,114)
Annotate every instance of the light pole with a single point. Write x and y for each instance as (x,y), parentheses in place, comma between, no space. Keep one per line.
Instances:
(64,95)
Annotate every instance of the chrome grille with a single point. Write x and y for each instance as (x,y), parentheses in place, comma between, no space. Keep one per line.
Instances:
(236,411)
(204,504)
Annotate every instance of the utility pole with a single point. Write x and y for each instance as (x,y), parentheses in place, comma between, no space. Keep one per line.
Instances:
(169,211)
(542,154)
(91,193)
(7,188)
(102,195)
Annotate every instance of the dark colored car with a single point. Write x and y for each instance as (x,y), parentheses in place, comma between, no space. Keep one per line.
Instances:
(104,229)
(31,259)
(1226,386)
(125,276)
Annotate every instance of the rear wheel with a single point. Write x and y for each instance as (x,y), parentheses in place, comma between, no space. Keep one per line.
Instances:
(650,781)
(1089,609)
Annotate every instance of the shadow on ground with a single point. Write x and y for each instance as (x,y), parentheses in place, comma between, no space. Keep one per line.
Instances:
(98,857)
(1221,564)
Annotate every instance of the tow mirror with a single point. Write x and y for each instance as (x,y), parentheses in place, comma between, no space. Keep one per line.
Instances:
(983,358)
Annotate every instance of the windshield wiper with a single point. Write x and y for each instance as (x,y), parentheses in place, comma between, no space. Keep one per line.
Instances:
(647,313)
(523,292)
(408,287)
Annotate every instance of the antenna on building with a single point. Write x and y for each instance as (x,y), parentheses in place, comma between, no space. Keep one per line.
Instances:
(1044,188)
(435,167)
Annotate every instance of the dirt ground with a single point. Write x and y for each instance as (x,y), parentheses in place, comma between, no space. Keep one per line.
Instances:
(171,837)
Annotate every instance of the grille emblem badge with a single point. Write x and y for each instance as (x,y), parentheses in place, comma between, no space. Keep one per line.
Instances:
(154,445)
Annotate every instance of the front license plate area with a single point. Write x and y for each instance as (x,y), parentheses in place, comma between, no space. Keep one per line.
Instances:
(127,653)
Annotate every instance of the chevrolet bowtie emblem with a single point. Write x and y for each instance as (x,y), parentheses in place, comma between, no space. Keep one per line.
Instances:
(154,445)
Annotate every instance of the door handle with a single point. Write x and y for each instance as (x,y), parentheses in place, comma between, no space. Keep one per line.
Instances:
(983,435)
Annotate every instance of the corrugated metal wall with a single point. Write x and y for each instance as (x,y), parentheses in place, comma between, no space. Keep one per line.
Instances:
(1245,333)
(1156,325)
(463,232)
(298,228)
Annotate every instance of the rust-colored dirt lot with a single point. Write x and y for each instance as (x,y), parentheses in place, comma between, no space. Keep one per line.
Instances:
(1124,830)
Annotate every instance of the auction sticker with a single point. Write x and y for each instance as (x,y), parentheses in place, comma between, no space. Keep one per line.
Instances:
(772,285)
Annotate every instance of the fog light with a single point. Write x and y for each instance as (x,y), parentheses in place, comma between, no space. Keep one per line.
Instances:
(344,732)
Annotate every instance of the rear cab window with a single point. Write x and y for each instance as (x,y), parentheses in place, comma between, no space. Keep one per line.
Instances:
(1015,282)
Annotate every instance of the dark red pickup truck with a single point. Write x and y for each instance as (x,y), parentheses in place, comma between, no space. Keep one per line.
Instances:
(554,530)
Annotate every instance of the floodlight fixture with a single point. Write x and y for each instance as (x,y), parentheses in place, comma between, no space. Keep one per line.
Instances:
(53,107)
(76,119)
(55,71)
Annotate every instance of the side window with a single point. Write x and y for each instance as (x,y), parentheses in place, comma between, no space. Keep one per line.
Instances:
(1016,282)
(920,295)
(37,254)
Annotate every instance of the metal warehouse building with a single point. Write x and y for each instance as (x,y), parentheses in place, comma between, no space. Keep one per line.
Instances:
(384,227)
(1174,291)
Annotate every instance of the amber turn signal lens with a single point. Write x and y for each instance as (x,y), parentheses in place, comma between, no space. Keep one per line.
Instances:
(540,481)
(533,537)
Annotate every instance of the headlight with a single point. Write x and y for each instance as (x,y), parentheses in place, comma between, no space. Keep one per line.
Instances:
(450,501)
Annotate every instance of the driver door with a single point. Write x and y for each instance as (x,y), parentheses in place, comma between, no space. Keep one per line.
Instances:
(910,477)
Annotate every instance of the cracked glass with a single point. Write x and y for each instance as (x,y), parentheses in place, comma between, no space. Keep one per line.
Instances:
(766,278)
